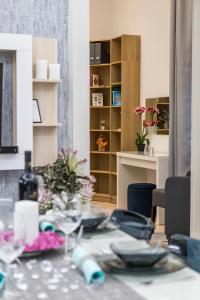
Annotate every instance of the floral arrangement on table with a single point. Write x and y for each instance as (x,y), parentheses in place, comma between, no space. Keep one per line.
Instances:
(65,177)
(101,142)
(145,126)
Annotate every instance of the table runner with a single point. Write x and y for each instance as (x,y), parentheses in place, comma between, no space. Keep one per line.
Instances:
(65,282)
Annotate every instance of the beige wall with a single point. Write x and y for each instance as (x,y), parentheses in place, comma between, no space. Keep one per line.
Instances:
(151,20)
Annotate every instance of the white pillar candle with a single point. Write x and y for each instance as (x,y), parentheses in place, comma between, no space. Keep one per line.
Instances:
(54,71)
(41,69)
(26,220)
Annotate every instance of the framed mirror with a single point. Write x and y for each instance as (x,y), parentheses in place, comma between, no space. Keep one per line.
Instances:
(162,103)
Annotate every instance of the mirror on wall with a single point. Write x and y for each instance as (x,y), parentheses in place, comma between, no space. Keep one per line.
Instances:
(162,103)
(7,103)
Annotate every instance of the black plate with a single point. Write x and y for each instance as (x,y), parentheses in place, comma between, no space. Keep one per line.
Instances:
(93,221)
(167,265)
(144,258)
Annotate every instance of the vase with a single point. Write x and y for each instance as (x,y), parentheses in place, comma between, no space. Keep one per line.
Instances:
(101,148)
(140,147)
(151,130)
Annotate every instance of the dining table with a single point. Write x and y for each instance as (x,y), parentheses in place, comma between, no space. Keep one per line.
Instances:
(53,276)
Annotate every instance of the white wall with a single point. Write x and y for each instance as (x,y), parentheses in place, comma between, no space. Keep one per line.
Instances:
(151,20)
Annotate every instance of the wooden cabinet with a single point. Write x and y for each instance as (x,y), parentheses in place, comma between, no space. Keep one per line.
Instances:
(45,134)
(121,76)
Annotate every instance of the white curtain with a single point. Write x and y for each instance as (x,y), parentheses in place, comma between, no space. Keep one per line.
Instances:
(180,86)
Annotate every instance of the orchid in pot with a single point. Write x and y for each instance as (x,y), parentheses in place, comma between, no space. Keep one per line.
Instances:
(147,128)
(64,178)
(142,134)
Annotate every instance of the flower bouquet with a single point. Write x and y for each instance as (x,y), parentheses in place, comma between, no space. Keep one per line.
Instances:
(101,142)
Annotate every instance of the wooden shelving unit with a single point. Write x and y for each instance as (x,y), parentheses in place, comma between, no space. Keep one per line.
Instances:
(123,72)
(45,134)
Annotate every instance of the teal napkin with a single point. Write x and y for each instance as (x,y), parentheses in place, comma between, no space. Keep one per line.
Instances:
(90,269)
(2,280)
(47,226)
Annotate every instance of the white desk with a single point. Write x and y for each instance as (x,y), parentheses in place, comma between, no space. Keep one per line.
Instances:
(135,168)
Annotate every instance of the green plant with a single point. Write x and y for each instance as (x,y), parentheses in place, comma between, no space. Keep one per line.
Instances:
(64,175)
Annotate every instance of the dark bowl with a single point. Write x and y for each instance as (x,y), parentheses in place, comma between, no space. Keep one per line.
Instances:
(92,221)
(144,258)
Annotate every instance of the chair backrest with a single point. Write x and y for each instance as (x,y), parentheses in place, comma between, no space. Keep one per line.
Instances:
(177,206)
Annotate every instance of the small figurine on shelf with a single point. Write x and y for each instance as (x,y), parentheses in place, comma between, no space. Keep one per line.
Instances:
(103,124)
(101,142)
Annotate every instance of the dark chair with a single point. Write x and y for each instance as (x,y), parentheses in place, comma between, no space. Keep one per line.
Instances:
(175,198)
(177,205)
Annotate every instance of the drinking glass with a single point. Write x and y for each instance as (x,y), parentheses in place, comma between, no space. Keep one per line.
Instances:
(68,217)
(6,213)
(10,249)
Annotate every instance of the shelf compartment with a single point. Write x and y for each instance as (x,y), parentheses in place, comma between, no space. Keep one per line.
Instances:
(115,119)
(99,162)
(116,50)
(115,73)
(115,142)
(102,183)
(104,75)
(113,164)
(98,115)
(93,138)
(113,185)
(106,97)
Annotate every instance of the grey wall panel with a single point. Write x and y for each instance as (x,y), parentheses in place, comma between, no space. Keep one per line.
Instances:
(41,18)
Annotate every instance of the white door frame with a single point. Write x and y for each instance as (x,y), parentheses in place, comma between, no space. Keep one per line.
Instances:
(79,75)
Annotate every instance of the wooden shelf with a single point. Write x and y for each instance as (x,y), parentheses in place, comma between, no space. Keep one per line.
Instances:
(45,134)
(102,195)
(100,87)
(115,130)
(100,65)
(99,130)
(35,80)
(100,171)
(100,152)
(100,107)
(47,125)
(123,71)
(116,83)
(116,62)
(113,173)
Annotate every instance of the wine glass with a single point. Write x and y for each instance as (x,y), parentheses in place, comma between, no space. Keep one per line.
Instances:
(68,217)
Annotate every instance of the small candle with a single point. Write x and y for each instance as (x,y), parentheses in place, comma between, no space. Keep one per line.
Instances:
(54,71)
(41,69)
(26,221)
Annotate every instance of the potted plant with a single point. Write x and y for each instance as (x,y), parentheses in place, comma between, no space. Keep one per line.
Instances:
(101,142)
(63,179)
(142,134)
(145,126)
